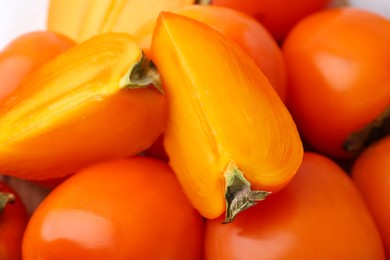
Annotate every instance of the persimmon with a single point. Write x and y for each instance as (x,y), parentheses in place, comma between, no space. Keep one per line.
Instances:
(228,130)
(122,209)
(94,102)
(25,54)
(278,16)
(370,174)
(338,90)
(318,215)
(82,20)
(241,28)
(13,221)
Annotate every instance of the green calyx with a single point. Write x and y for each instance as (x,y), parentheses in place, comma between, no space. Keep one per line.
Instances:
(238,193)
(142,75)
(203,2)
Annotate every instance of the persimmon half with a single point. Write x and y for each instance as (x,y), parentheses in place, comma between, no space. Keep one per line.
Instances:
(229,137)
(94,102)
(84,19)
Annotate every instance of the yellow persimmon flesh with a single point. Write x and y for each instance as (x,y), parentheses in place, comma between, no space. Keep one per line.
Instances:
(82,19)
(134,13)
(66,16)
(91,103)
(227,130)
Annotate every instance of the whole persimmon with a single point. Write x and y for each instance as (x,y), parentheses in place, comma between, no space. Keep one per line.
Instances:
(338,64)
(278,16)
(122,209)
(318,215)
(13,221)
(25,54)
(371,175)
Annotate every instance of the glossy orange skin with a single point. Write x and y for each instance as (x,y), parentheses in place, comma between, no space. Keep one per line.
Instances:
(278,16)
(371,175)
(13,221)
(338,64)
(319,215)
(124,209)
(25,54)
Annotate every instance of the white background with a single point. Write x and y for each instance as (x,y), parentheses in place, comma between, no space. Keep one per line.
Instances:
(20,16)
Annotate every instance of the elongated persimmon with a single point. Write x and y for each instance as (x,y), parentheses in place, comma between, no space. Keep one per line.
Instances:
(91,103)
(227,129)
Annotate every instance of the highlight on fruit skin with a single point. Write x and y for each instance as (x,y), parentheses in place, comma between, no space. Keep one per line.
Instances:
(226,124)
(91,103)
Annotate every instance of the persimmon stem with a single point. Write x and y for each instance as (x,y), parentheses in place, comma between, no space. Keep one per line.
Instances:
(238,193)
(5,198)
(203,2)
(368,134)
(142,75)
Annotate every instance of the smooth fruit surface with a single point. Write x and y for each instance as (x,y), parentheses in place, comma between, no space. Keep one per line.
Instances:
(122,209)
(371,174)
(338,64)
(319,214)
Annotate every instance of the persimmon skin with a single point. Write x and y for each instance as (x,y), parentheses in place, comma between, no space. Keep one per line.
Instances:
(337,85)
(13,221)
(370,174)
(319,214)
(123,209)
(278,16)
(25,54)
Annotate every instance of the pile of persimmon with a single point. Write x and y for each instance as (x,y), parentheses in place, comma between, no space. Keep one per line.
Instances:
(198,130)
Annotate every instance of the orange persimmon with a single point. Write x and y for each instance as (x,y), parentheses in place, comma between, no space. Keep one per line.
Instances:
(338,87)
(84,19)
(122,209)
(278,16)
(25,54)
(318,215)
(13,222)
(227,128)
(91,103)
(371,175)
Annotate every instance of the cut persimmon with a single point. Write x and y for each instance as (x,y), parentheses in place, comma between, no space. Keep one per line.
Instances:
(84,19)
(227,131)
(93,102)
